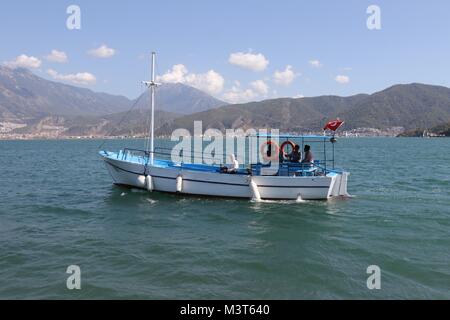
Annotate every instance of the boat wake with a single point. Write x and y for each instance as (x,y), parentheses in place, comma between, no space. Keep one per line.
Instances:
(151,201)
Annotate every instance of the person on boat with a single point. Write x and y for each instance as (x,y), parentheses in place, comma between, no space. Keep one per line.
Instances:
(295,155)
(309,157)
(234,166)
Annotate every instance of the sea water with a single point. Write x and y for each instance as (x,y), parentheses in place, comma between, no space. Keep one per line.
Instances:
(59,208)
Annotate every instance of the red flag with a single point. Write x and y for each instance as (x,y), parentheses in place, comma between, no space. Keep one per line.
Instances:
(333,125)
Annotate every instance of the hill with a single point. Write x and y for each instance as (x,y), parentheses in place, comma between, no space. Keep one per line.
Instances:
(25,96)
(410,106)
(31,105)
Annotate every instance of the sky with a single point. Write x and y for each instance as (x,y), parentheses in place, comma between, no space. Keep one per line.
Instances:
(237,51)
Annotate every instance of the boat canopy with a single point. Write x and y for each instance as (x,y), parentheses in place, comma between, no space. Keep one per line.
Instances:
(290,136)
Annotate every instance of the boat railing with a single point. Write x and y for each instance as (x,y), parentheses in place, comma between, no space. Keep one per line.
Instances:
(137,155)
(194,156)
(143,156)
(285,168)
(214,156)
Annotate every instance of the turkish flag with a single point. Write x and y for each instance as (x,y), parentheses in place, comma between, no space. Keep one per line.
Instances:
(333,125)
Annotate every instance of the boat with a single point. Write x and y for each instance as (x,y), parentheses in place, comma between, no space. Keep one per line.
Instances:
(271,176)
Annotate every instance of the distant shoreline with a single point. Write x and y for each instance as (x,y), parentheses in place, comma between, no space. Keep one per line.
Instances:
(75,138)
(165,137)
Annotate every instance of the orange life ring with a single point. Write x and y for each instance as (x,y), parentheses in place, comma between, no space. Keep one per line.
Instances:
(283,153)
(274,154)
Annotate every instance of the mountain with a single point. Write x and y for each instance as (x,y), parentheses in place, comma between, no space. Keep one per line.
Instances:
(180,98)
(409,106)
(32,106)
(25,96)
(286,114)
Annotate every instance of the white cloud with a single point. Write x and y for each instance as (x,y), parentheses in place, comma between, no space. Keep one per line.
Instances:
(260,87)
(57,56)
(342,79)
(315,63)
(102,52)
(24,61)
(210,82)
(83,78)
(285,77)
(250,61)
(176,74)
(298,96)
(238,95)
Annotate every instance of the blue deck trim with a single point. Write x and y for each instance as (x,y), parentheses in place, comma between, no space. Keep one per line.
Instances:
(170,178)
(159,163)
(169,164)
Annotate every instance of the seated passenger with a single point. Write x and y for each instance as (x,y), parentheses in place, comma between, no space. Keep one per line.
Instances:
(295,155)
(309,157)
(234,167)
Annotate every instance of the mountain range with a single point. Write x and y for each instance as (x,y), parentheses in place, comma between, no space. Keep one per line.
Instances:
(25,96)
(409,106)
(31,105)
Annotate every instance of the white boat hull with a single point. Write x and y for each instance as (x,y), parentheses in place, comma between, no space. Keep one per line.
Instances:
(179,180)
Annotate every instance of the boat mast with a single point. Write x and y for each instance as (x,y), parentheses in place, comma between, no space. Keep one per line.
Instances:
(152,125)
(152,86)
